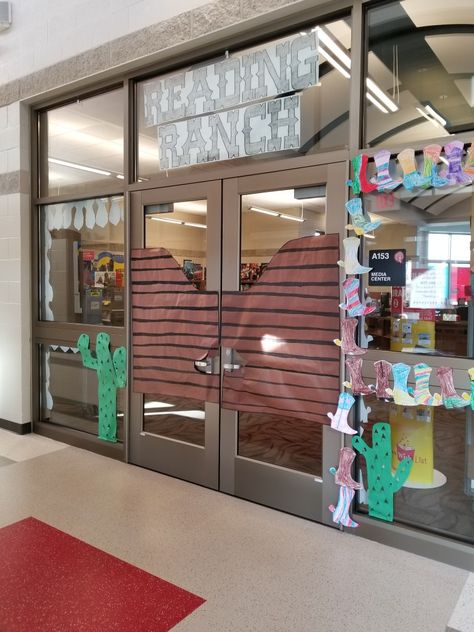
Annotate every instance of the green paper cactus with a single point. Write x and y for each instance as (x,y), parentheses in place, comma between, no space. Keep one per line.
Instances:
(381,483)
(111,374)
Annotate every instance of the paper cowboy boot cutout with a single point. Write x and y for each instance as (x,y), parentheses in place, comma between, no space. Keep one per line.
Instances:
(353,306)
(360,183)
(454,174)
(357,384)
(383,179)
(430,170)
(340,513)
(383,369)
(343,474)
(400,385)
(411,177)
(422,394)
(347,343)
(339,418)
(450,398)
(360,219)
(351,264)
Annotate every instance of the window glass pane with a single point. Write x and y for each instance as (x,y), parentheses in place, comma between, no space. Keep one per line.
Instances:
(420,78)
(82,145)
(69,391)
(180,228)
(460,247)
(430,313)
(82,261)
(269,220)
(184,119)
(439,492)
(438,246)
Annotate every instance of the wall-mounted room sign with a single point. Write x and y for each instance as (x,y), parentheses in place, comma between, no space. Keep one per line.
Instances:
(227,109)
(388,267)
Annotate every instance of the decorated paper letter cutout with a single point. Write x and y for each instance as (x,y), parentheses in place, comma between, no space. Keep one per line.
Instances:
(111,374)
(381,483)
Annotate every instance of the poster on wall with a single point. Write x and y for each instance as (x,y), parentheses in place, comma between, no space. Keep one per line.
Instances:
(388,267)
(429,287)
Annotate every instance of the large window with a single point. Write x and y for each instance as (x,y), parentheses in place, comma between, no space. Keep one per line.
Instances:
(289,96)
(420,71)
(82,269)
(430,312)
(82,256)
(82,146)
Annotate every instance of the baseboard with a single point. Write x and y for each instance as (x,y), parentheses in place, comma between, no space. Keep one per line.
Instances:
(14,427)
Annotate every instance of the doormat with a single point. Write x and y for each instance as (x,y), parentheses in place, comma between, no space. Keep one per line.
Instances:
(53,582)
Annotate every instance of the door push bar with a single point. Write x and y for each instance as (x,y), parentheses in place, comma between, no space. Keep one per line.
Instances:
(210,365)
(233,361)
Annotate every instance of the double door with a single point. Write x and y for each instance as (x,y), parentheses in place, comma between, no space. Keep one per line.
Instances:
(234,306)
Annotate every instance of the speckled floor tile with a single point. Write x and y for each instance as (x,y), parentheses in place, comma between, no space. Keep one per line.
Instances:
(23,447)
(5,461)
(259,570)
(462,619)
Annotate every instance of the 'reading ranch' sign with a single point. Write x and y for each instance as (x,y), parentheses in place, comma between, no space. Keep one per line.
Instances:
(229,109)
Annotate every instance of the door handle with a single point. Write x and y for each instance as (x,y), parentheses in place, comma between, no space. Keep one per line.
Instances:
(210,365)
(233,361)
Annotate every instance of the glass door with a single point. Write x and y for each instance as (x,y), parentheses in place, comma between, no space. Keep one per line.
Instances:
(175,285)
(233,363)
(280,314)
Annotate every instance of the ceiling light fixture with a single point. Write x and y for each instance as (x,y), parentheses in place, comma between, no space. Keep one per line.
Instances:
(264,211)
(334,63)
(291,217)
(378,105)
(380,94)
(73,165)
(333,47)
(181,222)
(429,118)
(120,176)
(275,214)
(435,115)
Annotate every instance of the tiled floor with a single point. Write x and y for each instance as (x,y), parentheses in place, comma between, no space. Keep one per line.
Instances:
(258,570)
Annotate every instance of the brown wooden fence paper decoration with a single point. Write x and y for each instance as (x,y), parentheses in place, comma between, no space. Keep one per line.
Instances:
(173,325)
(293,313)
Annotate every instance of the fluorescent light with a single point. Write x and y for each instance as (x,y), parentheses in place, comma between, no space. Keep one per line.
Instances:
(292,217)
(428,118)
(435,115)
(181,222)
(192,414)
(334,63)
(380,94)
(168,220)
(158,405)
(376,103)
(195,225)
(264,211)
(333,47)
(120,177)
(275,214)
(73,165)
(369,236)
(316,234)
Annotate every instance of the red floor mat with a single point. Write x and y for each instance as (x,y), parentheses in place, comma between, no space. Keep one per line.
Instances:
(52,582)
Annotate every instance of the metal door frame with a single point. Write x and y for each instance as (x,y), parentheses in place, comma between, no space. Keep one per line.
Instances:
(178,458)
(281,488)
(218,465)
